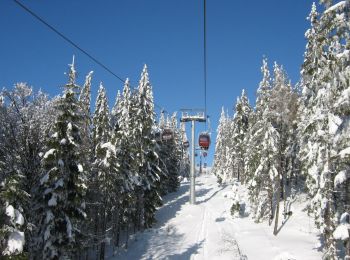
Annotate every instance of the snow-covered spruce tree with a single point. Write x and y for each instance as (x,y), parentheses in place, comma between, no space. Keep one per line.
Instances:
(116,110)
(174,173)
(220,148)
(60,203)
(240,125)
(185,157)
(87,157)
(170,157)
(106,172)
(338,119)
(123,139)
(265,177)
(85,103)
(145,145)
(282,115)
(229,157)
(255,133)
(163,153)
(12,222)
(254,149)
(322,86)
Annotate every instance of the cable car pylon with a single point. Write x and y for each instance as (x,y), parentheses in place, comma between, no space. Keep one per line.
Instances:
(192,115)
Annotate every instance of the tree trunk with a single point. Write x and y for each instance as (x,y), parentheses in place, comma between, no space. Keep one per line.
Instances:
(103,232)
(275,230)
(127,236)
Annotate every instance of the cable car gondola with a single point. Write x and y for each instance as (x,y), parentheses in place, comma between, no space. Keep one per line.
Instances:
(204,141)
(186,144)
(167,134)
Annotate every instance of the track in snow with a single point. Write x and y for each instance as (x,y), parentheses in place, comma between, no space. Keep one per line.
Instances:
(184,231)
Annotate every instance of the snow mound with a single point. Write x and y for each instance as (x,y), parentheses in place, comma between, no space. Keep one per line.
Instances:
(285,256)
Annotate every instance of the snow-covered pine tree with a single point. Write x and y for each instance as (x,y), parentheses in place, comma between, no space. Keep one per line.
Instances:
(175,155)
(85,103)
(330,32)
(60,204)
(185,157)
(282,114)
(338,120)
(87,157)
(255,133)
(12,222)
(147,158)
(106,169)
(240,125)
(116,110)
(265,178)
(220,148)
(254,149)
(123,139)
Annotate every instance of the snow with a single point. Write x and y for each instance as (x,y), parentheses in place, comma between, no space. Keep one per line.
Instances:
(285,256)
(63,141)
(343,153)
(44,179)
(10,211)
(53,200)
(19,218)
(49,152)
(342,232)
(333,123)
(208,231)
(340,178)
(60,163)
(80,168)
(15,243)
(344,218)
(15,216)
(69,227)
(336,7)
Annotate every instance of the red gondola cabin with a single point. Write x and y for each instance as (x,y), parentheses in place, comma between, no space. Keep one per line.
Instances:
(204,141)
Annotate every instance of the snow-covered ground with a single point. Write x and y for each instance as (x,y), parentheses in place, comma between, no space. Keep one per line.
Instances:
(207,231)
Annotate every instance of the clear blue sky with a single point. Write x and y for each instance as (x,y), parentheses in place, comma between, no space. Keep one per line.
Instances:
(166,35)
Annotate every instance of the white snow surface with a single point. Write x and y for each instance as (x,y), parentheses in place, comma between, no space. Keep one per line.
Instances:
(15,243)
(207,230)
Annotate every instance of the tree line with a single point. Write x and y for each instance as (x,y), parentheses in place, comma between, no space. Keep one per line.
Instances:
(73,182)
(296,138)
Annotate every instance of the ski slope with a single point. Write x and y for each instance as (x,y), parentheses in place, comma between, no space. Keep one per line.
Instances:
(207,231)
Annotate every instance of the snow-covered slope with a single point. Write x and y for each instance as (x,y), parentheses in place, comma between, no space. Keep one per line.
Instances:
(207,231)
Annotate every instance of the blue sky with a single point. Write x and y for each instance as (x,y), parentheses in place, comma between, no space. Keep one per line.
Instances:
(166,35)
